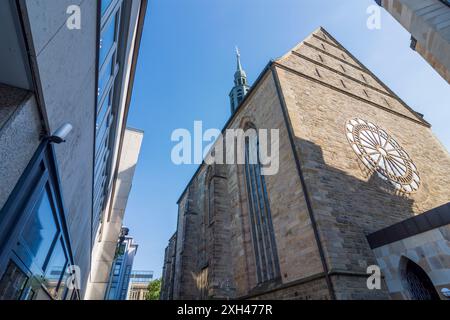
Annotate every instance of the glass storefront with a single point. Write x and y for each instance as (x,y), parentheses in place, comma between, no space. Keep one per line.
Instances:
(35,253)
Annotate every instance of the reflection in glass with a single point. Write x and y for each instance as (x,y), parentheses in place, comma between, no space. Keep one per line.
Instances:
(107,39)
(56,271)
(104,79)
(103,108)
(105,5)
(12,282)
(40,231)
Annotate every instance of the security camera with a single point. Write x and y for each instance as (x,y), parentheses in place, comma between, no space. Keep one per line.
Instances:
(60,135)
(446,292)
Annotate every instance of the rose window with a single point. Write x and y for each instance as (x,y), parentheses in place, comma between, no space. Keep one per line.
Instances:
(382,154)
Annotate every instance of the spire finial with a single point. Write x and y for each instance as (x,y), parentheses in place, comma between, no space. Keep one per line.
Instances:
(238,57)
(241,86)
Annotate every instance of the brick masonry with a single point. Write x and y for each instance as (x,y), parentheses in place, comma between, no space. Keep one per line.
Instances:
(321,222)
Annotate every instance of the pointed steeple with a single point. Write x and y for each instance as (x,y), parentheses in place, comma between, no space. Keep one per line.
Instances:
(241,86)
(238,58)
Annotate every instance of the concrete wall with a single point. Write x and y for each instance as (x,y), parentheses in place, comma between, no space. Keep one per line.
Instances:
(64,64)
(348,201)
(20,127)
(429,23)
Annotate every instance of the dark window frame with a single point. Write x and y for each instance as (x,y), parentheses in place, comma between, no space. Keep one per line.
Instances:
(41,176)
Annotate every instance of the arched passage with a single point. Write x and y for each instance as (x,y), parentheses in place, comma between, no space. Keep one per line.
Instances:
(417,282)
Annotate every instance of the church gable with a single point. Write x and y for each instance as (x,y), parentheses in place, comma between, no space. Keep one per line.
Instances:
(322,59)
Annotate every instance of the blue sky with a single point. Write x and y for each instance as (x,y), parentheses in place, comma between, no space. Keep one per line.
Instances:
(185,73)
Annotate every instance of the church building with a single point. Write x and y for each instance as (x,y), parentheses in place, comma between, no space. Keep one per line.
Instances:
(363,185)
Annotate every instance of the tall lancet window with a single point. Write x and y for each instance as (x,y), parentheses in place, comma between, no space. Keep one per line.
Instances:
(267,265)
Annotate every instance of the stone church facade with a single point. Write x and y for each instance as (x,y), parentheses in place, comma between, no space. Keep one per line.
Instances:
(362,181)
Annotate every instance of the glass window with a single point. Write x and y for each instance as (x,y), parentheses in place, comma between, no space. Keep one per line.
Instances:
(107,39)
(101,133)
(98,178)
(267,266)
(116,269)
(100,160)
(12,283)
(101,142)
(56,274)
(105,5)
(112,291)
(104,79)
(98,205)
(104,108)
(103,127)
(40,231)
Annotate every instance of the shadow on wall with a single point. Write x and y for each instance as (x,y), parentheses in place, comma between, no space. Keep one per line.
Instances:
(346,207)
(352,207)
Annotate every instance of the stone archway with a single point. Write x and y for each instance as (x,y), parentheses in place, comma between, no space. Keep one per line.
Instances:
(416,282)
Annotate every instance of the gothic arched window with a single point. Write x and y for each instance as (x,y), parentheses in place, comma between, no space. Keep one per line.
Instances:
(267,265)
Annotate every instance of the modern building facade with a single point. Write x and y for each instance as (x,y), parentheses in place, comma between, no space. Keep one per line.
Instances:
(54,198)
(362,182)
(428,21)
(139,281)
(111,225)
(119,278)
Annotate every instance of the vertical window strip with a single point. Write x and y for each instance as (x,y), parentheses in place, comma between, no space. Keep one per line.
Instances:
(262,223)
(264,218)
(259,231)
(262,227)
(252,214)
(271,232)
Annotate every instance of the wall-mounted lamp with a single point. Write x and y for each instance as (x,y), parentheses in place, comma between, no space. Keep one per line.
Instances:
(61,134)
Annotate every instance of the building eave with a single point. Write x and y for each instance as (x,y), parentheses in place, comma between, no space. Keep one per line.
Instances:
(136,49)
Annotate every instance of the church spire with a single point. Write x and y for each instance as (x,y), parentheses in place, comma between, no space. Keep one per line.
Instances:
(241,86)
(238,57)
